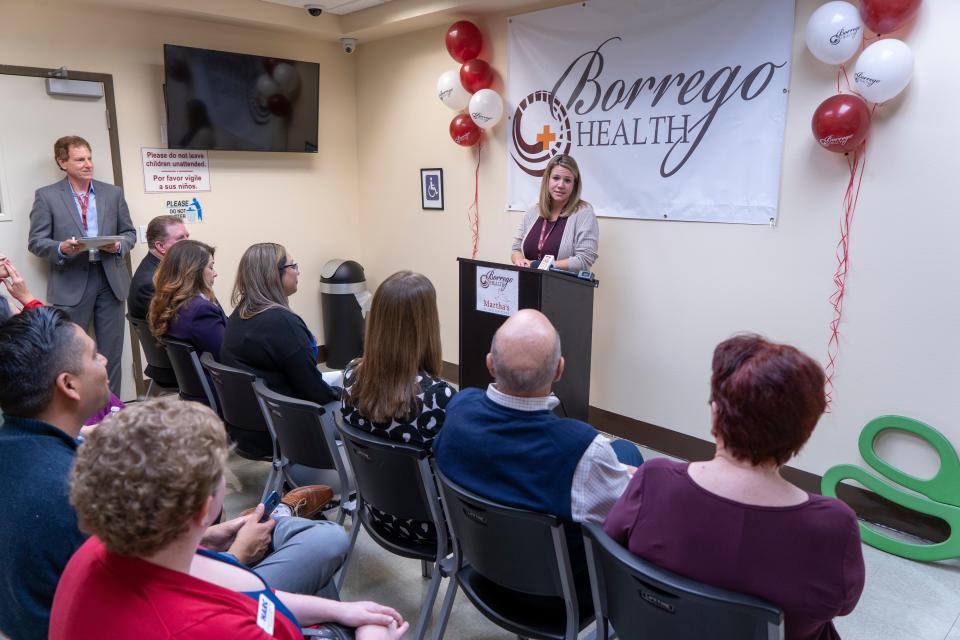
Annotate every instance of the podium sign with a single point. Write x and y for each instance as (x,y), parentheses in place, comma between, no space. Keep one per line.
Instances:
(491,292)
(497,291)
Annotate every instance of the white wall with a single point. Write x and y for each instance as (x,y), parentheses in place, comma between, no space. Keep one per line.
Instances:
(671,291)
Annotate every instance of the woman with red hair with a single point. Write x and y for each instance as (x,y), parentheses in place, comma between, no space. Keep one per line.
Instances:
(734,521)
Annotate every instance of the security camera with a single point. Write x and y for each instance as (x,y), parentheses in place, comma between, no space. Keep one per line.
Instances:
(349,45)
(313,9)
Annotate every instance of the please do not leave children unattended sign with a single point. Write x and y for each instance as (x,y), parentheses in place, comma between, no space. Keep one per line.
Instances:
(173,170)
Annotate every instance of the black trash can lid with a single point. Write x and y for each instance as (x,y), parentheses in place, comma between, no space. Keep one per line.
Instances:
(339,270)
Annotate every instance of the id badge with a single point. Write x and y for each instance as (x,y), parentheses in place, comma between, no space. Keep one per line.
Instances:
(266,612)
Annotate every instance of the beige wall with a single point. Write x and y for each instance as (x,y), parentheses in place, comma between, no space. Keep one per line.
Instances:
(308,202)
(670,291)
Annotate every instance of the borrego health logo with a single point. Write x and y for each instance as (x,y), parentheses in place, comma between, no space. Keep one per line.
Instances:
(552,122)
(843,34)
(589,104)
(490,280)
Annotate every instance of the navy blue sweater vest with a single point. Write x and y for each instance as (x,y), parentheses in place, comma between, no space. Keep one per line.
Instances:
(523,459)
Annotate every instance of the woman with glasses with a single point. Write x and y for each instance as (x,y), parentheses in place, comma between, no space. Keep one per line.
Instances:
(264,336)
(560,224)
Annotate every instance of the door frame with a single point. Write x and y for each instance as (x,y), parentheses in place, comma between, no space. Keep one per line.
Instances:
(113,131)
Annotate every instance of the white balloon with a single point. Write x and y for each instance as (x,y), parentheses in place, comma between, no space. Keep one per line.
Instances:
(266,87)
(451,91)
(486,108)
(285,75)
(883,70)
(835,32)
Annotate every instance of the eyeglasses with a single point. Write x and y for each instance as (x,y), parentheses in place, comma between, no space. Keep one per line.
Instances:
(293,265)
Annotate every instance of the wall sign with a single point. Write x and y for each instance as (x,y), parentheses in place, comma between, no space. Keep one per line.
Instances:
(497,291)
(173,170)
(673,110)
(189,209)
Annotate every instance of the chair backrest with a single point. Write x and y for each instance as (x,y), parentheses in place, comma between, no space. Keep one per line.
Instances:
(298,429)
(186,366)
(643,601)
(238,402)
(513,548)
(393,477)
(152,349)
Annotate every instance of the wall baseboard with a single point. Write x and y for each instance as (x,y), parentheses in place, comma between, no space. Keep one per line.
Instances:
(868,505)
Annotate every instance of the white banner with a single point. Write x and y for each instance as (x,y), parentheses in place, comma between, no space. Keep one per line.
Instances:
(673,110)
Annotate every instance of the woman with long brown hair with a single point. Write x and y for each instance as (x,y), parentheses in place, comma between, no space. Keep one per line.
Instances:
(395,391)
(184,306)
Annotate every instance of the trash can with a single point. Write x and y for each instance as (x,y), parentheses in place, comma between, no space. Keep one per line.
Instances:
(345,301)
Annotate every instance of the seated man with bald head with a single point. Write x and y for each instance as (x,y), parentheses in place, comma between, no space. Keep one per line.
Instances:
(508,445)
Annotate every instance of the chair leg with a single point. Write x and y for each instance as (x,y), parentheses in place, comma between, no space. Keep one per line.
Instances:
(150,389)
(426,569)
(445,610)
(342,574)
(426,607)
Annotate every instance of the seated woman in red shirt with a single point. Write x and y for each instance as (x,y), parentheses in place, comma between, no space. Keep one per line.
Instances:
(147,484)
(734,521)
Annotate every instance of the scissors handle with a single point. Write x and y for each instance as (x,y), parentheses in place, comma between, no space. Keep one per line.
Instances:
(944,487)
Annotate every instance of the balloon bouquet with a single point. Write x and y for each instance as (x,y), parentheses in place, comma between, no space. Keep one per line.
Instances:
(842,122)
(469,88)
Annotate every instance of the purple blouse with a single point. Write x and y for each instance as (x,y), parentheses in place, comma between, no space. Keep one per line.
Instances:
(551,240)
(806,559)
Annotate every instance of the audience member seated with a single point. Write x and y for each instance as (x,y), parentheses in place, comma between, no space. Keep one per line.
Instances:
(264,336)
(184,306)
(395,391)
(51,380)
(508,445)
(15,285)
(162,233)
(734,521)
(147,485)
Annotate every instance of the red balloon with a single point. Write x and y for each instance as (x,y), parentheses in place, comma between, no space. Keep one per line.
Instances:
(841,123)
(475,75)
(464,131)
(279,105)
(464,41)
(884,16)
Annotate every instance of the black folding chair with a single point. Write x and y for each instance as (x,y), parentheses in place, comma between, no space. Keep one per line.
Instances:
(159,369)
(241,412)
(644,602)
(190,377)
(397,479)
(308,451)
(513,565)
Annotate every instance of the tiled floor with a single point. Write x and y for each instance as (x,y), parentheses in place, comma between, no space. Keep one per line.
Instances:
(903,600)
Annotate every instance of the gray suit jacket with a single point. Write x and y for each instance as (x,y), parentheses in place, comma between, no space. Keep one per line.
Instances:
(54,218)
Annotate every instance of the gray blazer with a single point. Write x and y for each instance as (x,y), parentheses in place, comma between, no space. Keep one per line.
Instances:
(54,218)
(580,240)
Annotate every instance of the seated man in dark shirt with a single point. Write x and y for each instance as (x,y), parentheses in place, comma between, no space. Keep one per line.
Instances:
(51,380)
(162,233)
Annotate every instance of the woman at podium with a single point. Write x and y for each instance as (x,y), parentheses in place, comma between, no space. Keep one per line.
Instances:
(560,224)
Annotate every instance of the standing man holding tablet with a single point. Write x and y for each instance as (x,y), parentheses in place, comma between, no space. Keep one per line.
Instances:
(88,282)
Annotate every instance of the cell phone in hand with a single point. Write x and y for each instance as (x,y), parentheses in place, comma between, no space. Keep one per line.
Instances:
(269,505)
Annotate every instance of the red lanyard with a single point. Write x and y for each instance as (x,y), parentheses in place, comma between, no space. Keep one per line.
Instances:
(84,200)
(544,234)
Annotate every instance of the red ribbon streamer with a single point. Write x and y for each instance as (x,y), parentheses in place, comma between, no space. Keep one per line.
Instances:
(473,212)
(856,162)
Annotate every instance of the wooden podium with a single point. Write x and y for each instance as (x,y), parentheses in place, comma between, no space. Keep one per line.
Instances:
(566,300)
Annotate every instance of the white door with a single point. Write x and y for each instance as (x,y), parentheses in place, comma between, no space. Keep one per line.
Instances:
(30,122)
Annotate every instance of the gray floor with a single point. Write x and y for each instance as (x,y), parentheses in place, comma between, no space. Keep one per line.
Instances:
(903,600)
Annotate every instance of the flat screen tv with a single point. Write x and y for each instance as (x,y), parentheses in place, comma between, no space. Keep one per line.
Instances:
(239,102)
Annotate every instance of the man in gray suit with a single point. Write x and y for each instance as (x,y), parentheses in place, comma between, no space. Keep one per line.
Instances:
(88,284)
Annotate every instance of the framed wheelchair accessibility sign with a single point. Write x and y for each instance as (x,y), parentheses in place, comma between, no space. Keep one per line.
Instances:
(431,188)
